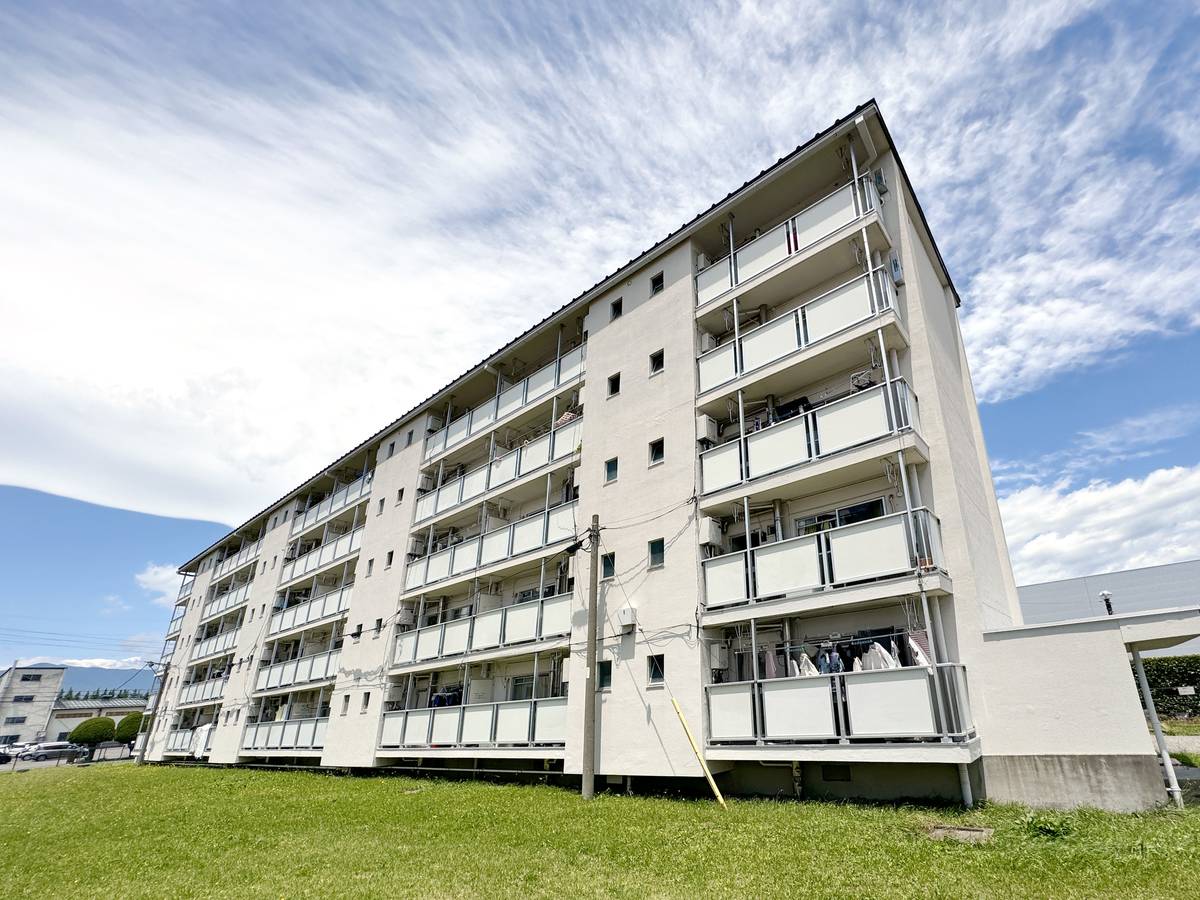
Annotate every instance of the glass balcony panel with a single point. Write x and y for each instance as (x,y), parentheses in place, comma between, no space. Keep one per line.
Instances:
(495,546)
(890,702)
(510,400)
(725,579)
(823,217)
(393,730)
(778,447)
(429,642)
(787,566)
(541,382)
(763,252)
(527,534)
(799,708)
(426,505)
(561,523)
(718,366)
(414,575)
(550,720)
(466,556)
(853,420)
(770,342)
(571,365)
(556,615)
(483,416)
(535,454)
(839,309)
(721,466)
(504,469)
(567,438)
(447,495)
(731,712)
(416,727)
(474,483)
(445,724)
(487,629)
(712,282)
(406,647)
(439,566)
(477,724)
(520,623)
(512,722)
(457,430)
(870,549)
(455,638)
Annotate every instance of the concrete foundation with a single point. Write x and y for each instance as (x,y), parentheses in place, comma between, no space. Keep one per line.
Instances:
(923,783)
(1115,783)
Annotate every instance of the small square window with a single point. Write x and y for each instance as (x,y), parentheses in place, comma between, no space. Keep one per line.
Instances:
(408,438)
(31,676)
(378,626)
(345,704)
(390,556)
(400,495)
(656,669)
(656,284)
(614,384)
(604,675)
(370,567)
(615,309)
(391,449)
(285,514)
(658,553)
(366,703)
(610,470)
(379,508)
(658,451)
(657,362)
(608,565)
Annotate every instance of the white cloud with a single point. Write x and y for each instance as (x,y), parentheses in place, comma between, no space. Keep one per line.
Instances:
(111,604)
(207,258)
(98,662)
(161,582)
(1055,531)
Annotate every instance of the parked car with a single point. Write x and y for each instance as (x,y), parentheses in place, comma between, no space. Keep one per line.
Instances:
(52,750)
(4,758)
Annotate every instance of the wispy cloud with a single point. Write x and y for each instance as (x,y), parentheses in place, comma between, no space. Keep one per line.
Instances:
(160,582)
(111,605)
(92,662)
(233,223)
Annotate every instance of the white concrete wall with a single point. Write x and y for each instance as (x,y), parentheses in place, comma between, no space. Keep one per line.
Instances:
(36,713)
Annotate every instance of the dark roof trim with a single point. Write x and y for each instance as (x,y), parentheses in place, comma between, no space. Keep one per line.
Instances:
(766,175)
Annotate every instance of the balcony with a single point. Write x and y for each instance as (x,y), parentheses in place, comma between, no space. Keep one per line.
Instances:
(288,734)
(218,643)
(200,691)
(863,551)
(551,447)
(798,233)
(513,723)
(490,630)
(329,552)
(227,601)
(529,534)
(312,611)
(540,384)
(183,740)
(237,560)
(338,500)
(305,670)
(873,706)
(175,624)
(185,589)
(819,319)
(856,419)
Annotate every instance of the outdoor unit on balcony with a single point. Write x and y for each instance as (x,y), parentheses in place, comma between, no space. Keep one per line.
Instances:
(707,342)
(707,430)
(328,580)
(425,484)
(718,656)
(406,617)
(710,531)
(897,269)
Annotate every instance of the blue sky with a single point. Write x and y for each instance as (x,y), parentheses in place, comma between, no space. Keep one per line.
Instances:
(234,223)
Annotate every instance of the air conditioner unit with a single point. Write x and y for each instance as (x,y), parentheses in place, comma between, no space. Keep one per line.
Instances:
(526,595)
(425,483)
(897,269)
(707,429)
(710,531)
(416,546)
(702,261)
(485,671)
(406,617)
(328,580)
(707,342)
(880,183)
(627,617)
(718,656)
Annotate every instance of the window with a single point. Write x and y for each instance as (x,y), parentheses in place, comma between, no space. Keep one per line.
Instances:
(846,515)
(378,626)
(345,704)
(62,735)
(608,565)
(615,310)
(274,559)
(285,515)
(610,470)
(237,716)
(14,720)
(366,701)
(614,384)
(657,362)
(400,495)
(8,739)
(604,675)
(408,438)
(656,284)
(274,520)
(656,669)
(391,449)
(658,553)
(379,508)
(658,451)
(370,567)
(23,698)
(31,676)
(390,556)
(521,688)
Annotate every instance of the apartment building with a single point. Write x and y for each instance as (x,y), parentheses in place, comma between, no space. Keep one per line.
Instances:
(27,697)
(770,412)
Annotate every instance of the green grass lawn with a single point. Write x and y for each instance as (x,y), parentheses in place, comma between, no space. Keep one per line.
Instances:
(126,831)
(1181,726)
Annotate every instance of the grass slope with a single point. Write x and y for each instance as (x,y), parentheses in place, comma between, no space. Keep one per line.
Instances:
(125,831)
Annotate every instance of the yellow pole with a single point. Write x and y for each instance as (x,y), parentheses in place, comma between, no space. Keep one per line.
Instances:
(699,757)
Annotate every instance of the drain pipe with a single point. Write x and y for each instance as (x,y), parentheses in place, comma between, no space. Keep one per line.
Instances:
(964,782)
(1172,781)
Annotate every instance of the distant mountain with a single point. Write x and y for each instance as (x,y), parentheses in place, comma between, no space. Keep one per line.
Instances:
(79,678)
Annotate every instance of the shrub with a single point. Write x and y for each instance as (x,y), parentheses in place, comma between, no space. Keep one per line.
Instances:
(91,732)
(1047,824)
(1167,673)
(127,728)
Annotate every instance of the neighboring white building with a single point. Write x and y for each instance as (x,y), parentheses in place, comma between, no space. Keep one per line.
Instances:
(785,454)
(27,695)
(69,713)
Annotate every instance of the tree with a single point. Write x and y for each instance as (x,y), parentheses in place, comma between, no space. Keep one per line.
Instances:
(91,732)
(128,727)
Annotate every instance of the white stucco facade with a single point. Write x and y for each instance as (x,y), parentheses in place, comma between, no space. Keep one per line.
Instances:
(800,537)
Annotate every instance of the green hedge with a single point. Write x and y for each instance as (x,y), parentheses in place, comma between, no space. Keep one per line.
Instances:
(127,728)
(90,732)
(1165,674)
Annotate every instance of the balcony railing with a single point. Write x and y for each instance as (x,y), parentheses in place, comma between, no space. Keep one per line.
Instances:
(875,548)
(329,552)
(814,321)
(874,705)
(314,610)
(237,560)
(532,533)
(502,627)
(339,499)
(306,669)
(183,740)
(514,723)
(186,588)
(289,734)
(176,623)
(550,447)
(226,601)
(538,385)
(218,643)
(853,420)
(199,691)
(801,231)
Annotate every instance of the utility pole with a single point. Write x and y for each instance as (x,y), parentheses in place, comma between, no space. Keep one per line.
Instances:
(149,717)
(588,786)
